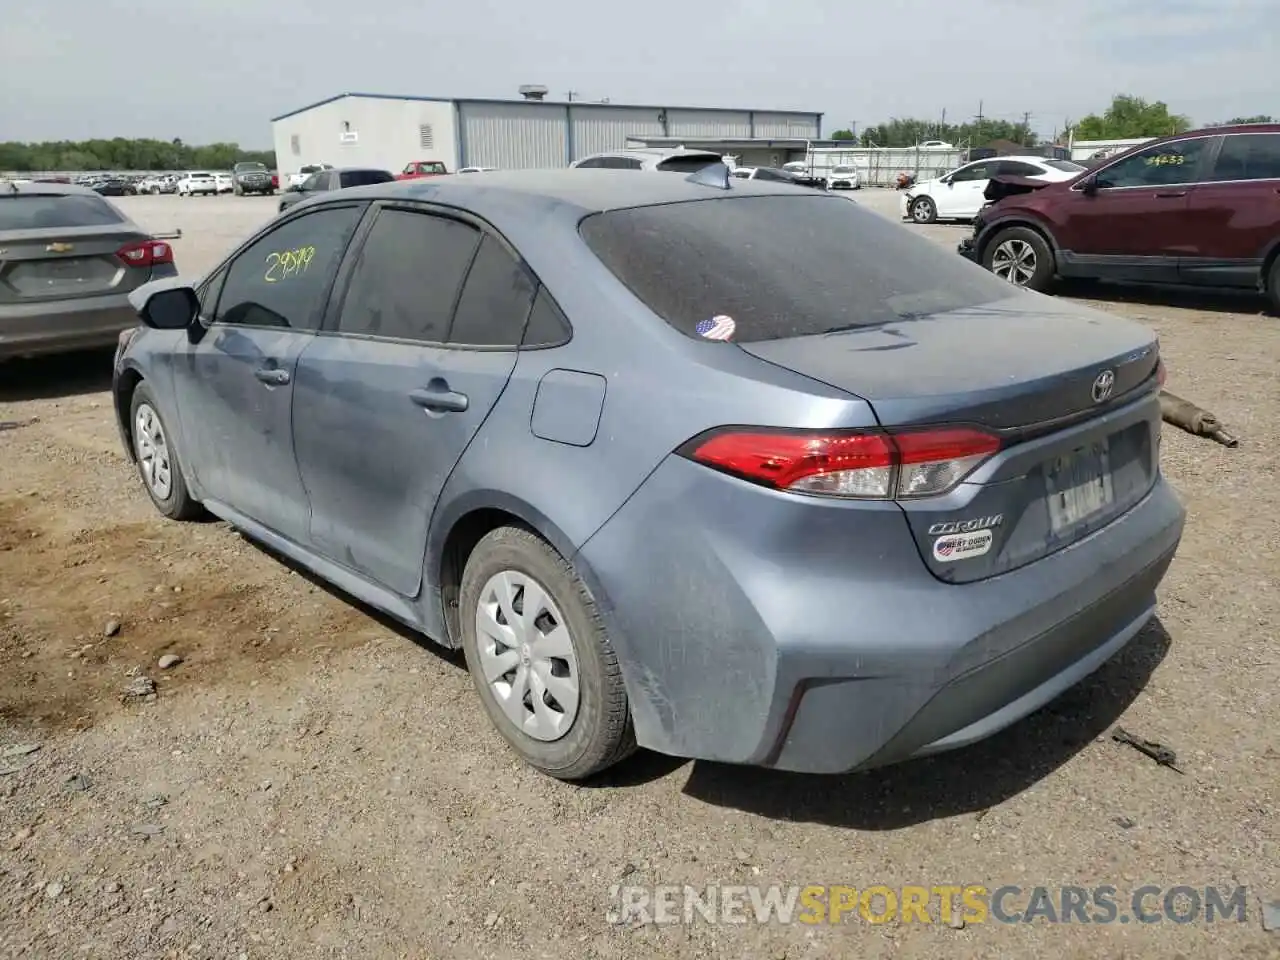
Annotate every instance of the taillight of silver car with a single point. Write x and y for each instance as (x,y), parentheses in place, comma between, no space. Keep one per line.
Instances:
(860,465)
(146,253)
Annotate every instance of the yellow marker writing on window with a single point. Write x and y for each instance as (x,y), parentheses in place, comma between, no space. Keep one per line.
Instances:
(288,263)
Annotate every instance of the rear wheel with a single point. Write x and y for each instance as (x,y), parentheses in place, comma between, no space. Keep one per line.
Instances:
(158,463)
(1022,257)
(923,210)
(540,659)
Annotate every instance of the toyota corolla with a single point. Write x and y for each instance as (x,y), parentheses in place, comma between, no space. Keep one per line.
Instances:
(820,504)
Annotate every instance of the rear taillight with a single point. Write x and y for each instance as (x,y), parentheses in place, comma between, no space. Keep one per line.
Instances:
(146,253)
(1161,373)
(860,465)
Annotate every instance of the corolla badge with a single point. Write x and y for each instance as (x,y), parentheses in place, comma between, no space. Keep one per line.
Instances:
(1103,384)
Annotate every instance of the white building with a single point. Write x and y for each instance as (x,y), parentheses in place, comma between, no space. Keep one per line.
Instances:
(378,130)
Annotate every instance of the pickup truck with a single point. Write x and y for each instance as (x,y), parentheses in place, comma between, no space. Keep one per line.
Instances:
(422,168)
(296,179)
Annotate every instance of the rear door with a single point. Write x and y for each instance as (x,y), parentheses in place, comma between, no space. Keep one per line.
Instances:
(1136,225)
(1234,215)
(235,386)
(388,399)
(64,247)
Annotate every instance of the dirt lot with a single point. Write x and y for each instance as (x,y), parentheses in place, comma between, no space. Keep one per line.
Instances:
(310,782)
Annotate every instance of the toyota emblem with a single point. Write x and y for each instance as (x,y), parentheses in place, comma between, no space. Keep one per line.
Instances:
(1103,384)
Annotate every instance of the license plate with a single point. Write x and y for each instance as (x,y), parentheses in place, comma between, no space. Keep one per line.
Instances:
(1079,486)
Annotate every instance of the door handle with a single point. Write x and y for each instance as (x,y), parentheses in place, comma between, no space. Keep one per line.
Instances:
(441,401)
(1168,195)
(272,376)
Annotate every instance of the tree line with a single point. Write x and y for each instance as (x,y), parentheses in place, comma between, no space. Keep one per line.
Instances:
(1127,117)
(126,154)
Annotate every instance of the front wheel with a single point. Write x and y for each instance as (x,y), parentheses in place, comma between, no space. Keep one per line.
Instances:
(539,656)
(1022,257)
(923,210)
(1273,286)
(158,463)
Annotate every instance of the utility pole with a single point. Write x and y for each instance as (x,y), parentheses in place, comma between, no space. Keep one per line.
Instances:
(853,129)
(570,95)
(979,118)
(1026,127)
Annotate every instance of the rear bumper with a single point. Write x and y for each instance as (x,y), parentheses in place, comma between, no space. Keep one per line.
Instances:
(748,633)
(66,325)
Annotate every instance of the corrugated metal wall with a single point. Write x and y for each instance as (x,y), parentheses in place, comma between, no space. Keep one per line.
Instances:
(599,127)
(512,136)
(708,123)
(784,125)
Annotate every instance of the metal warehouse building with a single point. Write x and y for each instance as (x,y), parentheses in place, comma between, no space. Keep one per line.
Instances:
(378,130)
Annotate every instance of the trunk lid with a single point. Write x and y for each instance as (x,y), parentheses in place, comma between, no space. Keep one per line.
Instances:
(67,263)
(1029,369)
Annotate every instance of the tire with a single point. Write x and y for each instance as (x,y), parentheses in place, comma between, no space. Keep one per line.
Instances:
(599,733)
(172,499)
(237,191)
(923,210)
(1021,256)
(1273,286)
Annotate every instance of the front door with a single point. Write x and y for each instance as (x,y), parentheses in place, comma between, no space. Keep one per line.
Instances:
(1235,213)
(235,386)
(386,404)
(1134,226)
(962,196)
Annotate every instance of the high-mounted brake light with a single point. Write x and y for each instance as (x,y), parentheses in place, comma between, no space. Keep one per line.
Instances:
(923,462)
(146,253)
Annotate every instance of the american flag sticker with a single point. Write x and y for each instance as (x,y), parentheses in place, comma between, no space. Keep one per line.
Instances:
(717,328)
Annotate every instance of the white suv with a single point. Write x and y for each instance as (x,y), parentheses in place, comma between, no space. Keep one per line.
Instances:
(678,160)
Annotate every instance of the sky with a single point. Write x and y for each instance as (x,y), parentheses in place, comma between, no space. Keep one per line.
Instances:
(218,70)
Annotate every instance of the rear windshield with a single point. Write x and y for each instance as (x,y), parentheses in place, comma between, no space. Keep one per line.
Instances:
(782,266)
(690,163)
(38,211)
(360,178)
(1065,165)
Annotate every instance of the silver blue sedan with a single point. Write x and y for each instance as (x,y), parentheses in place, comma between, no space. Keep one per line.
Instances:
(726,469)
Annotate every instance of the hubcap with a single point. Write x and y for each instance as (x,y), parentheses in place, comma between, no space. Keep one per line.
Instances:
(527,656)
(922,209)
(1015,261)
(153,452)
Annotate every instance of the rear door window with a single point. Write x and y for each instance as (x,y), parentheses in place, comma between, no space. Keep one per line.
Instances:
(1248,156)
(1016,168)
(282,279)
(826,265)
(407,277)
(27,211)
(689,164)
(495,300)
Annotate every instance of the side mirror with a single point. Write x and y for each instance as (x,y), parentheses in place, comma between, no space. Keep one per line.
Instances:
(1089,186)
(172,309)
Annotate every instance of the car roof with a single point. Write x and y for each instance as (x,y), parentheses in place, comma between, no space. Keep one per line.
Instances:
(644,153)
(585,191)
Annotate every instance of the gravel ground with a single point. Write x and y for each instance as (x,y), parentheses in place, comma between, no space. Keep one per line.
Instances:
(310,781)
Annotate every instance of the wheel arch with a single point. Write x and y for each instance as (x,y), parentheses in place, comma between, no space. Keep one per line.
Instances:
(126,385)
(457,529)
(992,230)
(1269,259)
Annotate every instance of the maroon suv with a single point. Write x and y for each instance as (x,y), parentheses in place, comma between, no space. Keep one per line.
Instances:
(1198,208)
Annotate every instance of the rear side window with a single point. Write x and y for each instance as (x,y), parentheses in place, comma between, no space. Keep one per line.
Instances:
(40,211)
(495,301)
(782,266)
(688,164)
(547,326)
(1251,156)
(407,277)
(360,178)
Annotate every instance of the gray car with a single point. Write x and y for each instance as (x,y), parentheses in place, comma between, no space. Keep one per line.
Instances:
(325,181)
(819,504)
(68,260)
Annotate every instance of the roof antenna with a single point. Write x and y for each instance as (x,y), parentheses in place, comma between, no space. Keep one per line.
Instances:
(713,175)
